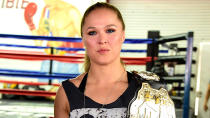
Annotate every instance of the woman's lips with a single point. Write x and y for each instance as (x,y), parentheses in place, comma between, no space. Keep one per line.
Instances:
(103,51)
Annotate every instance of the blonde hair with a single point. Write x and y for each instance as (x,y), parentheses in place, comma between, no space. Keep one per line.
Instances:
(87,63)
(99,5)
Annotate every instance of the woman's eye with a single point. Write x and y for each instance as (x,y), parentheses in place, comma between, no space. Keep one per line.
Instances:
(110,30)
(92,33)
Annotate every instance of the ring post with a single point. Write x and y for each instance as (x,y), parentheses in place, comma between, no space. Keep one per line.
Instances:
(188,74)
(152,49)
(51,65)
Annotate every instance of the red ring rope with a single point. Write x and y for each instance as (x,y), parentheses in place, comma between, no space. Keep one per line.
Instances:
(27,83)
(27,92)
(72,59)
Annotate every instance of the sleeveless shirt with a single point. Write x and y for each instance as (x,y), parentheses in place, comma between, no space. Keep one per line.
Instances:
(82,106)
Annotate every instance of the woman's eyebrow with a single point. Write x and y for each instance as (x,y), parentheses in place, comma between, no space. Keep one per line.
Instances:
(91,27)
(111,25)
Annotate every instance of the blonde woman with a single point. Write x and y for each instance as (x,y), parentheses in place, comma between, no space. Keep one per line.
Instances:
(106,88)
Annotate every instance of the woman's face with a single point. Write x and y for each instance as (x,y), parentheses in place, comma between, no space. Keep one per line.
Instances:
(103,36)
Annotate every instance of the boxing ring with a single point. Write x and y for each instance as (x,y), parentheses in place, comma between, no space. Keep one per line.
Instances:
(24,53)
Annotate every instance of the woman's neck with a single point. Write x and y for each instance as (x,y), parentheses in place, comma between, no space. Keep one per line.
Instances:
(106,73)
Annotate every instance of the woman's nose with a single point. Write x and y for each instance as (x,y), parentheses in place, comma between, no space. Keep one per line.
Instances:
(102,39)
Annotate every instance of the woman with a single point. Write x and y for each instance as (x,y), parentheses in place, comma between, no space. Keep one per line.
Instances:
(105,89)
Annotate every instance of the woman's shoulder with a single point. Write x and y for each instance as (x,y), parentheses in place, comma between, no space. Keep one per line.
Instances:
(70,84)
(77,80)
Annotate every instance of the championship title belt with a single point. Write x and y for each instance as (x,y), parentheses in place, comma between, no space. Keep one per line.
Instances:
(150,102)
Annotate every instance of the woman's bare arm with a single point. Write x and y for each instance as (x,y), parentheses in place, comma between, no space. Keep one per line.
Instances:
(61,104)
